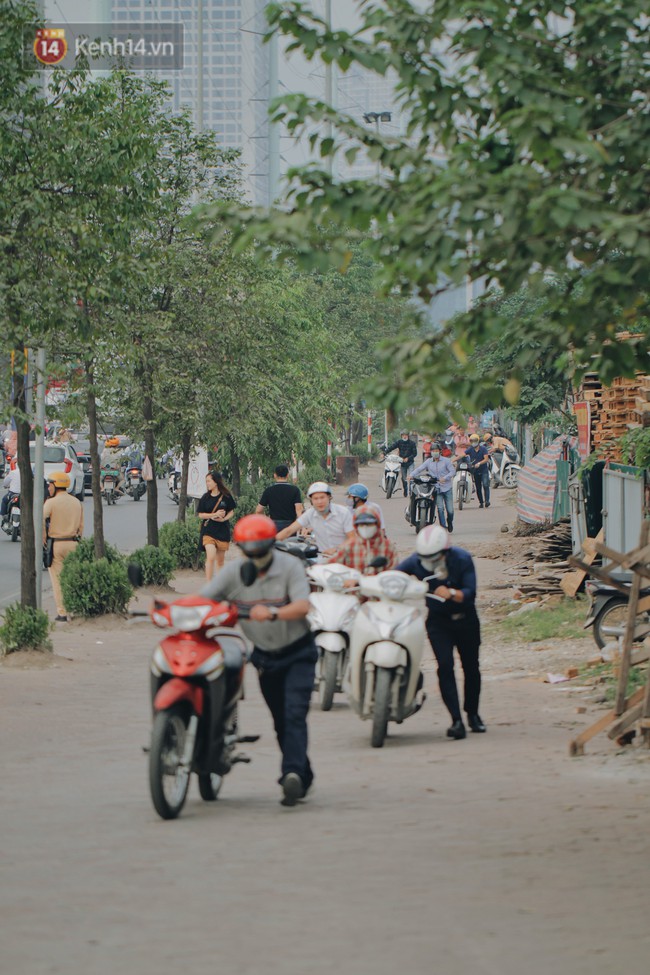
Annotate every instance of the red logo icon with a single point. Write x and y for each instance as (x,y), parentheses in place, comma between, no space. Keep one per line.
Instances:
(50,45)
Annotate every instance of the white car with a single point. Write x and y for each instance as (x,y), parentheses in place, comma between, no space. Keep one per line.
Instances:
(61,457)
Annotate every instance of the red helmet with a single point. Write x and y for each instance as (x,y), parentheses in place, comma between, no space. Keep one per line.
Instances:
(255,534)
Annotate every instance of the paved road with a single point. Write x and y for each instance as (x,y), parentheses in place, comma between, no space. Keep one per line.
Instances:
(125,525)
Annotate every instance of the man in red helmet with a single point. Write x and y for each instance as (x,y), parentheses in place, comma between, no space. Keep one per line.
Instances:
(271,590)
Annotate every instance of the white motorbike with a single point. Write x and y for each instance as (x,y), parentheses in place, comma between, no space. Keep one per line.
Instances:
(505,467)
(331,613)
(384,681)
(463,483)
(392,473)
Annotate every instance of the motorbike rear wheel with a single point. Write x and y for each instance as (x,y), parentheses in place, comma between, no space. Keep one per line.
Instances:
(510,477)
(210,786)
(15,533)
(167,782)
(390,486)
(329,671)
(613,616)
(381,711)
(460,495)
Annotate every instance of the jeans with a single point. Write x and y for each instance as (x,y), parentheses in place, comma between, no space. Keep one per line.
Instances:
(482,482)
(445,502)
(287,684)
(406,470)
(465,635)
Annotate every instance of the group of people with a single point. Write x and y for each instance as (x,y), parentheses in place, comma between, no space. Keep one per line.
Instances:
(276,602)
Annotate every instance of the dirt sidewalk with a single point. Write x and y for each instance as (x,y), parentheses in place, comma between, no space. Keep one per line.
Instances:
(498,854)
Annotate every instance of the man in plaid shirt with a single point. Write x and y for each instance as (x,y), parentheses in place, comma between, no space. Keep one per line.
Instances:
(367,543)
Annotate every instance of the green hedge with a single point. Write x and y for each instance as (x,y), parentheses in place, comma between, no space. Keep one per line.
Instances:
(95,588)
(157,565)
(181,540)
(24,628)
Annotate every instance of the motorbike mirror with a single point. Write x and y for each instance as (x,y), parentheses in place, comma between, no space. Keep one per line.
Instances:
(248,572)
(135,574)
(379,562)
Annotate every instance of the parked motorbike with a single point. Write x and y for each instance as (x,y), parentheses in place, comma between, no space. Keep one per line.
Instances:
(11,521)
(174,486)
(197,679)
(421,509)
(110,479)
(383,680)
(392,471)
(608,614)
(134,484)
(331,614)
(463,483)
(505,467)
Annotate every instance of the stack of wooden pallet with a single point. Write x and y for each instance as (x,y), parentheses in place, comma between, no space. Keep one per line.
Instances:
(615,410)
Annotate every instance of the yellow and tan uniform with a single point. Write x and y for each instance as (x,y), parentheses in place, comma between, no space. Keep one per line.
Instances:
(66,516)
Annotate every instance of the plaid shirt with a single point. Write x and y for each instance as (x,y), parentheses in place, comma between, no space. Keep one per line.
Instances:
(357,552)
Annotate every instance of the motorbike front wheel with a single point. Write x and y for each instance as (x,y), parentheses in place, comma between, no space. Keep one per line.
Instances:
(510,477)
(167,781)
(390,487)
(460,495)
(329,670)
(210,786)
(381,711)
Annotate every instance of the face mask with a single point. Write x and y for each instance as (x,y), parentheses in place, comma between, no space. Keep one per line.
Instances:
(436,565)
(262,562)
(435,455)
(367,531)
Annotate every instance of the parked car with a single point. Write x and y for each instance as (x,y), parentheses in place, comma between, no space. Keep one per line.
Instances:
(62,457)
(85,461)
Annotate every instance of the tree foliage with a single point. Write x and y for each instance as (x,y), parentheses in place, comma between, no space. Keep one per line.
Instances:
(524,160)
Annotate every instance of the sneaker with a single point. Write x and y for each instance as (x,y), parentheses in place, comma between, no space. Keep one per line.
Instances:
(481,505)
(292,789)
(487,504)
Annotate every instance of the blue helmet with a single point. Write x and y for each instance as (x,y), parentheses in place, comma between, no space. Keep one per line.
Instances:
(358,491)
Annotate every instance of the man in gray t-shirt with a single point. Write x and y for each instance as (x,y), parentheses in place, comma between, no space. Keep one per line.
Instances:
(272,591)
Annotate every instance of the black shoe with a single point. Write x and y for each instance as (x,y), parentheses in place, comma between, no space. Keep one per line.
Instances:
(450,527)
(481,504)
(292,789)
(487,504)
(60,619)
(457,730)
(475,723)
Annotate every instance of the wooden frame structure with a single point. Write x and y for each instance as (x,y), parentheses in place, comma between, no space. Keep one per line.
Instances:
(635,710)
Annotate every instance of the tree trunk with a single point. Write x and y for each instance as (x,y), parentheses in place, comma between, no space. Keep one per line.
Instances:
(235,487)
(149,450)
(28,541)
(186,446)
(95,462)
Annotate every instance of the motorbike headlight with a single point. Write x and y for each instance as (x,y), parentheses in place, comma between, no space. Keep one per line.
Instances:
(392,586)
(188,618)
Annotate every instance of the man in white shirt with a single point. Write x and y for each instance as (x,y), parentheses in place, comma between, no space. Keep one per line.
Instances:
(330,524)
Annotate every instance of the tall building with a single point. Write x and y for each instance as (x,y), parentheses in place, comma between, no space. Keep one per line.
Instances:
(230,94)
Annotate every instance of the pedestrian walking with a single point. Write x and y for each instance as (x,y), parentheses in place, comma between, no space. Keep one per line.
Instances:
(282,500)
(479,457)
(66,524)
(216,509)
(452,621)
(272,593)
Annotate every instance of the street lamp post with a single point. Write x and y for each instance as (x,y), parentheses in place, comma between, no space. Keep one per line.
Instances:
(375,118)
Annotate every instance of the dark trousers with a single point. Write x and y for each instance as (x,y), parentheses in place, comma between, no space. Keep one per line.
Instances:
(482,482)
(287,683)
(464,635)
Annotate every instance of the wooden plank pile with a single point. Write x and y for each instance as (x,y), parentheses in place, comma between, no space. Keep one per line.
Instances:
(615,410)
(628,714)
(542,567)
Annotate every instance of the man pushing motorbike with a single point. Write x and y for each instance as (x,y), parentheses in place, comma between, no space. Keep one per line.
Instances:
(408,451)
(272,590)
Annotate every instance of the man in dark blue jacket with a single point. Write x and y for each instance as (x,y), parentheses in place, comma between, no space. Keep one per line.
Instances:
(408,451)
(479,457)
(452,620)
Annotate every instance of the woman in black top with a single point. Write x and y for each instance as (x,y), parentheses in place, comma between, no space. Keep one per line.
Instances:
(216,509)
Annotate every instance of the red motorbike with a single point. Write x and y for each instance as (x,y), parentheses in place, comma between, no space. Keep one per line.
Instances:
(197,679)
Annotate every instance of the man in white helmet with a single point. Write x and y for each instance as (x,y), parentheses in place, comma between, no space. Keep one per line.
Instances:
(452,621)
(329,523)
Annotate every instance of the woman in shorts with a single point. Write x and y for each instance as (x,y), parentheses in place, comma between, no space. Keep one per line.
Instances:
(216,509)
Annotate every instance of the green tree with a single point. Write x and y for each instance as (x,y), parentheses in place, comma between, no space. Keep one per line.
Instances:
(524,159)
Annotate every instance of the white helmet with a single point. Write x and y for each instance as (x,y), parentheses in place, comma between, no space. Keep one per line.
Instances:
(319,487)
(431,541)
